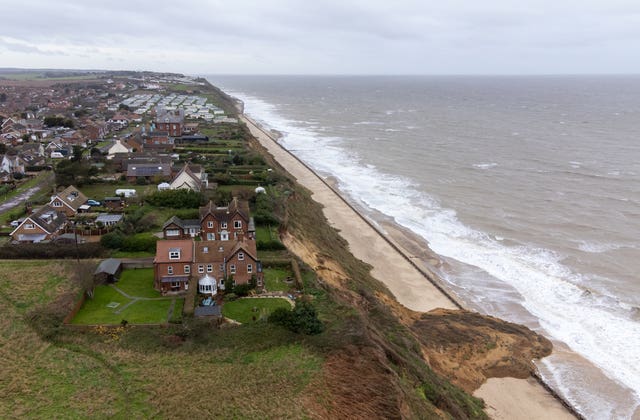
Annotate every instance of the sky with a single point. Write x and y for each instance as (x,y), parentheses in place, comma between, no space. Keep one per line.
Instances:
(325,36)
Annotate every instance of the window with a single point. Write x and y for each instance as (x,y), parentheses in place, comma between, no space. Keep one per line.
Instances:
(187,269)
(240,256)
(209,268)
(170,270)
(232,269)
(173,232)
(29,226)
(210,224)
(237,224)
(211,236)
(200,268)
(175,284)
(205,249)
(174,255)
(223,225)
(249,268)
(57,204)
(222,268)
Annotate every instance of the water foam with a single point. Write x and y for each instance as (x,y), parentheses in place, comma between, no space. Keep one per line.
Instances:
(549,290)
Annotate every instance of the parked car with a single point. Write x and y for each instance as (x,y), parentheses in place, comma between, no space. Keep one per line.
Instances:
(93,203)
(15,223)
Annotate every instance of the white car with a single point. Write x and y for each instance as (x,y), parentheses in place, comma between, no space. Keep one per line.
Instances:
(15,223)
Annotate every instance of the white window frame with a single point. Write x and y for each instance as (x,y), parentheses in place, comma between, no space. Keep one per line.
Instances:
(209,268)
(170,270)
(237,224)
(175,284)
(29,226)
(232,269)
(249,268)
(210,224)
(200,268)
(173,232)
(223,225)
(240,256)
(211,236)
(56,203)
(187,269)
(174,255)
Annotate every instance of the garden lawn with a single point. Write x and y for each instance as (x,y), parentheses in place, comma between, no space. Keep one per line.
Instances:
(274,279)
(138,282)
(96,311)
(242,310)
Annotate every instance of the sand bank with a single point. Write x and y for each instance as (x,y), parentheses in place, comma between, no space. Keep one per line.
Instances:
(412,285)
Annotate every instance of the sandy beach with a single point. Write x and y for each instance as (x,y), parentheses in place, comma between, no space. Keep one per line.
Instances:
(412,285)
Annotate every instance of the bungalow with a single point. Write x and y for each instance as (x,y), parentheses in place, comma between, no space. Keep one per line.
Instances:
(109,219)
(44,224)
(68,201)
(118,147)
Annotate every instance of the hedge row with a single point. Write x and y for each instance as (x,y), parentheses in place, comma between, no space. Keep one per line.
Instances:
(51,251)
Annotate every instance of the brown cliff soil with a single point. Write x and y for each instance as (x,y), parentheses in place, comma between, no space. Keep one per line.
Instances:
(468,348)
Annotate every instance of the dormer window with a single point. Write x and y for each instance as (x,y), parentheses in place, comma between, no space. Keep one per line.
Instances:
(241,256)
(210,225)
(57,204)
(223,225)
(174,254)
(29,226)
(237,224)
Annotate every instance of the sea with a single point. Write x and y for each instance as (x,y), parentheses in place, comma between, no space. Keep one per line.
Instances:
(526,187)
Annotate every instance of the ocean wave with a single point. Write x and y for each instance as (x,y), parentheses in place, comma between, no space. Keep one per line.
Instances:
(550,291)
(485,165)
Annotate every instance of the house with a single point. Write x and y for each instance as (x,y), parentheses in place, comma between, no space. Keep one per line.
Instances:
(68,201)
(171,121)
(211,262)
(234,261)
(190,177)
(172,265)
(118,147)
(44,224)
(158,141)
(12,164)
(176,228)
(109,219)
(148,171)
(226,223)
(193,139)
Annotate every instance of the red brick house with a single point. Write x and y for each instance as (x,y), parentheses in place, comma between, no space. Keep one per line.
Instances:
(172,265)
(171,121)
(176,228)
(211,262)
(42,225)
(158,141)
(68,201)
(226,223)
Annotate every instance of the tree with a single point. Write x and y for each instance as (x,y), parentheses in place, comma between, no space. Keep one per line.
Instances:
(301,319)
(77,153)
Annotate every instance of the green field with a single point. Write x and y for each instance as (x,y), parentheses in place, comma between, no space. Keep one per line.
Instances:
(144,306)
(100,191)
(252,309)
(134,372)
(274,279)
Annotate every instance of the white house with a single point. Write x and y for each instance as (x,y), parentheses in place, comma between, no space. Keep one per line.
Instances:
(12,164)
(190,177)
(118,147)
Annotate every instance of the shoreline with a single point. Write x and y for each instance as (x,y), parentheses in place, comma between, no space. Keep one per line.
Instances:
(527,398)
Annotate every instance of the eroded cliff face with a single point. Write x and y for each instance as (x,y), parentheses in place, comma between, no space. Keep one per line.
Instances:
(468,348)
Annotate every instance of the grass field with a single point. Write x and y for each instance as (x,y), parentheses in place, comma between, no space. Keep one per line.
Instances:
(140,372)
(100,191)
(274,279)
(109,306)
(245,310)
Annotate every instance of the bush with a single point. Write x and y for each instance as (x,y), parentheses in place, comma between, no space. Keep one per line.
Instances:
(51,251)
(301,319)
(177,199)
(112,240)
(270,245)
(139,243)
(242,289)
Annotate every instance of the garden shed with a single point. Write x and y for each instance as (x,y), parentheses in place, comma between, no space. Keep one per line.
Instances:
(108,271)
